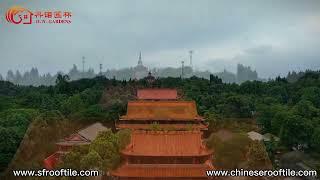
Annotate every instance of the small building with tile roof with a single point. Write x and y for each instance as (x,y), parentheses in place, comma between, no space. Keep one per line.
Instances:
(82,137)
(255,136)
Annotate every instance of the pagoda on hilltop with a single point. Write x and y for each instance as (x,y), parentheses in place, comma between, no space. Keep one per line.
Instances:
(166,140)
(140,71)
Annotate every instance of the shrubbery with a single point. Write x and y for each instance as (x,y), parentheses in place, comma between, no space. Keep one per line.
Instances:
(103,152)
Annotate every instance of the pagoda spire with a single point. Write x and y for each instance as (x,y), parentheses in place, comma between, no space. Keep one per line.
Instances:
(140,60)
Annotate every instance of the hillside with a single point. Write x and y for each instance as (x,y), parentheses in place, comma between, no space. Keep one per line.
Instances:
(289,110)
(39,142)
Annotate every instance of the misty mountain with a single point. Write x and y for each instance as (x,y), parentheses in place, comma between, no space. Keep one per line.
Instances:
(33,77)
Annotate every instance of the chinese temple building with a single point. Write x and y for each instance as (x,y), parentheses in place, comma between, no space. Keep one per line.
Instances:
(169,145)
(175,150)
(82,137)
(181,115)
(157,94)
(162,108)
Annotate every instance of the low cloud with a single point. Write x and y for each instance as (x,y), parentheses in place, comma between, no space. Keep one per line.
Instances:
(271,36)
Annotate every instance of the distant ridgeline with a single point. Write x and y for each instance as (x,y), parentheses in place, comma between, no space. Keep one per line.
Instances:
(33,77)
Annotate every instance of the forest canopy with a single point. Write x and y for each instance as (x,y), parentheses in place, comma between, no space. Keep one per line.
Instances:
(285,108)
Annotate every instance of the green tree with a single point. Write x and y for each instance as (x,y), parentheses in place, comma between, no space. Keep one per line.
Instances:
(124,138)
(312,94)
(103,152)
(279,92)
(9,141)
(298,130)
(305,109)
(212,118)
(92,160)
(252,88)
(72,105)
(107,146)
(92,113)
(271,147)
(72,160)
(215,79)
(278,120)
(272,117)
(62,83)
(315,139)
(91,96)
(237,106)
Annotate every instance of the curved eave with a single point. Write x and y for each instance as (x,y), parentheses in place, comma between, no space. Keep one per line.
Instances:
(164,126)
(203,154)
(125,118)
(72,143)
(162,171)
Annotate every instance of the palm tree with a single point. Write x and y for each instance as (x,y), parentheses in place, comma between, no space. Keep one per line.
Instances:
(62,79)
(62,83)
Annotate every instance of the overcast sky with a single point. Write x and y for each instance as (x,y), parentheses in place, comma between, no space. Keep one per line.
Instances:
(272,36)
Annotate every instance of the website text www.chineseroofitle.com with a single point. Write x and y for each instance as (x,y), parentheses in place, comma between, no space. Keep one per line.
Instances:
(262,173)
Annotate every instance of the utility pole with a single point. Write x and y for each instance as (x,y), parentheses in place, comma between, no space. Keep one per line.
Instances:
(100,67)
(191,65)
(182,69)
(190,53)
(83,62)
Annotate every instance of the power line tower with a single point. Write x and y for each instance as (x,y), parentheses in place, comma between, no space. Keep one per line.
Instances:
(83,62)
(182,69)
(100,69)
(190,54)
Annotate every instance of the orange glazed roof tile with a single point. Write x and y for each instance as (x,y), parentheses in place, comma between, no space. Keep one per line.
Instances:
(166,143)
(157,94)
(161,110)
(162,170)
(163,126)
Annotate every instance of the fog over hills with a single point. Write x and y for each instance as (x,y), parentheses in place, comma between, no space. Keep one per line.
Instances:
(33,77)
(273,37)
